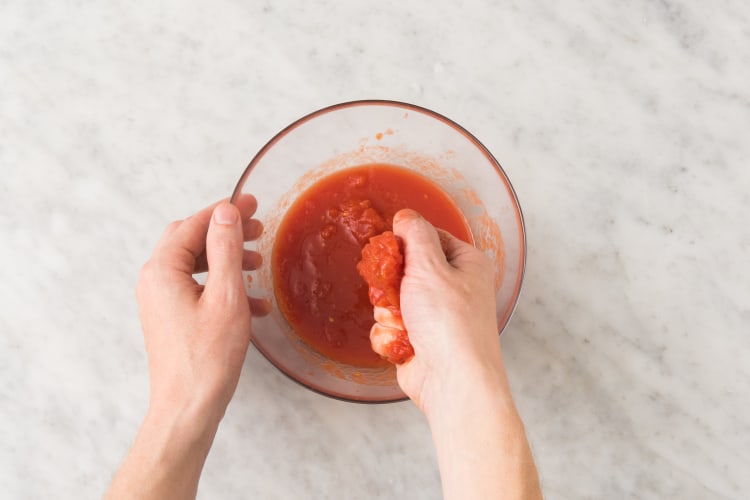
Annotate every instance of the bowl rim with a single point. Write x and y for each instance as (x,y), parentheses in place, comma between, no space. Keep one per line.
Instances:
(518,286)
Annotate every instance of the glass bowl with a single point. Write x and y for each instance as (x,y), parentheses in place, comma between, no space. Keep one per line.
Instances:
(366,132)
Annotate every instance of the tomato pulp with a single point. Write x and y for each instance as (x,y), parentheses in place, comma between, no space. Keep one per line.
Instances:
(319,243)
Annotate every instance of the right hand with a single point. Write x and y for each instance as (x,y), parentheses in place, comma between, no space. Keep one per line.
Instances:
(456,376)
(448,307)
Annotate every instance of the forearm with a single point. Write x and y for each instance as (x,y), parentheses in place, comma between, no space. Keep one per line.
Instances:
(166,459)
(480,442)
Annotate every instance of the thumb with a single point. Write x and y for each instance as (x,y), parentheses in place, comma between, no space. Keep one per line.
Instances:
(224,254)
(421,241)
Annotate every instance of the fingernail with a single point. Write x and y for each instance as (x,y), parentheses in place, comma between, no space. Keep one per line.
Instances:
(406,213)
(225,214)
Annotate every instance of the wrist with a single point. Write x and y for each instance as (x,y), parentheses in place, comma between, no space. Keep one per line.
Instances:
(479,438)
(195,410)
(181,428)
(470,390)
(167,456)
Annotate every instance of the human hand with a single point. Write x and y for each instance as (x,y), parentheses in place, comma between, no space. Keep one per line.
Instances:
(456,374)
(197,336)
(448,307)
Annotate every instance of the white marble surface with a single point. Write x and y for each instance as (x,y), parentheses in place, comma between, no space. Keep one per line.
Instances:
(625,128)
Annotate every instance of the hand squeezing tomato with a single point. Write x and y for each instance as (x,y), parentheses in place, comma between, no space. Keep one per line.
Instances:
(382,267)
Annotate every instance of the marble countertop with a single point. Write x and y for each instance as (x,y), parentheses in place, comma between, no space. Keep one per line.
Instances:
(625,128)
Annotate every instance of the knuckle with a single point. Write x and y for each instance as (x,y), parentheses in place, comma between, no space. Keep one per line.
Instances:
(146,270)
(172,226)
(228,245)
(225,296)
(144,277)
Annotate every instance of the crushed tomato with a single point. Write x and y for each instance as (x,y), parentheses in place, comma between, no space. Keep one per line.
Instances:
(319,243)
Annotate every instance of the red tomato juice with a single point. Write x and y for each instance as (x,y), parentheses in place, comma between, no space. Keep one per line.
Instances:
(319,243)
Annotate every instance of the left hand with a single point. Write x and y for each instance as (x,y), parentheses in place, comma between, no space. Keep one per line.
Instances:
(197,336)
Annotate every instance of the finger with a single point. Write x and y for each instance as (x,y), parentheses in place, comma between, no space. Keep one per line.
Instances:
(192,231)
(385,317)
(175,259)
(171,228)
(165,236)
(251,229)
(381,337)
(246,204)
(201,264)
(259,307)
(391,343)
(421,242)
(453,247)
(444,237)
(251,260)
(187,237)
(224,254)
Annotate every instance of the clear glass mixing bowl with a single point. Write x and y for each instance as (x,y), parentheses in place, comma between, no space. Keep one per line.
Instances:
(365,132)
